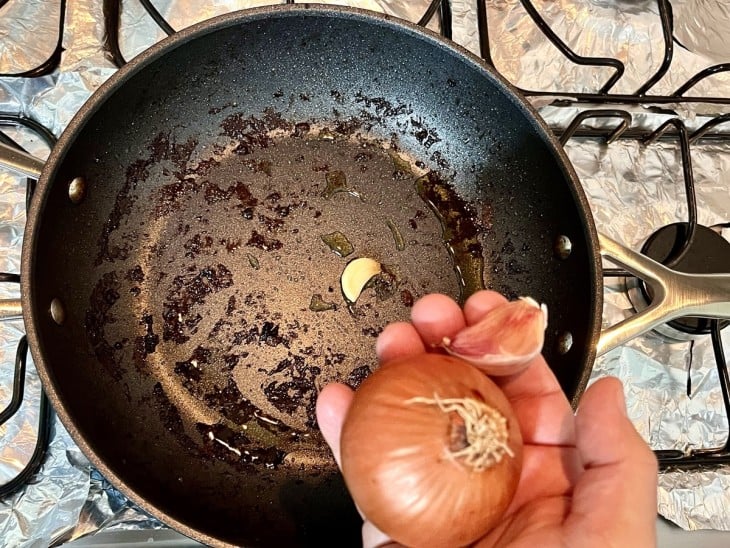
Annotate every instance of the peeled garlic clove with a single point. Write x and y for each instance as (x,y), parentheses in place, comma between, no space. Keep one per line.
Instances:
(356,276)
(505,340)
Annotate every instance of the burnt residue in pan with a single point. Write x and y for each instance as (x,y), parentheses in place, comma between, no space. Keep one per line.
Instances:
(218,441)
(103,297)
(214,253)
(146,344)
(188,291)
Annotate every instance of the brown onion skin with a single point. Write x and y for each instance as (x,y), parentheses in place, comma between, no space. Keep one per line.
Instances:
(394,454)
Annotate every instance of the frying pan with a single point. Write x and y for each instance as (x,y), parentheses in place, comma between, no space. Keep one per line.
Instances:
(183,252)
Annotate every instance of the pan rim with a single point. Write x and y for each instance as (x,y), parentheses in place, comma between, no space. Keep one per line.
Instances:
(158,50)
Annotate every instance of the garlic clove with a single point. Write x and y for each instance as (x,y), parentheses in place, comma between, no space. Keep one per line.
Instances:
(505,340)
(356,276)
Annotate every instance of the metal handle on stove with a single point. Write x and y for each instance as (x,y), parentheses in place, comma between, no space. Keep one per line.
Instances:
(10,309)
(676,294)
(27,165)
(20,162)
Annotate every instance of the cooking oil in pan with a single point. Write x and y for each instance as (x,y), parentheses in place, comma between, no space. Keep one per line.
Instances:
(461,229)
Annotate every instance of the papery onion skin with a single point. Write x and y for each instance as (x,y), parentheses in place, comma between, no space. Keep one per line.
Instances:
(395,454)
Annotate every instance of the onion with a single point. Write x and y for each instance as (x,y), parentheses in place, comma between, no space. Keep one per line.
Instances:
(431,451)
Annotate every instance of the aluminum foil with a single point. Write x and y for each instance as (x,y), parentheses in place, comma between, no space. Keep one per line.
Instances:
(701,27)
(20,20)
(632,189)
(623,29)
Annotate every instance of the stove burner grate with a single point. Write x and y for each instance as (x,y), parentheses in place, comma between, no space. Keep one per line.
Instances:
(54,59)
(45,415)
(680,249)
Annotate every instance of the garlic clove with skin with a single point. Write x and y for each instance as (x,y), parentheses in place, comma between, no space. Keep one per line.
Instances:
(505,340)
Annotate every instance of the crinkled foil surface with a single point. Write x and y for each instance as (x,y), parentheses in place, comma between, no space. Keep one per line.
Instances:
(633,189)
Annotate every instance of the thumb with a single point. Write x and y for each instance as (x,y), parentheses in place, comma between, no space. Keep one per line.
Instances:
(616,497)
(332,404)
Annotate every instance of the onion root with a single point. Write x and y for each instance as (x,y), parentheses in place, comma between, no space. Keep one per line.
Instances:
(485,429)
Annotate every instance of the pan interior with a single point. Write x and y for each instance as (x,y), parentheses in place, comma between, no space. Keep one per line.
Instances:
(221,283)
(225,182)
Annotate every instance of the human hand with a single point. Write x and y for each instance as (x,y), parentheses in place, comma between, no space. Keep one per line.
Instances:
(588,479)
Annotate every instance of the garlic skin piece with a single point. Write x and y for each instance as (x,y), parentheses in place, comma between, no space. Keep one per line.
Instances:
(356,276)
(505,340)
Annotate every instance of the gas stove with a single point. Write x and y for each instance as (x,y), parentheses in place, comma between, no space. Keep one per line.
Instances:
(637,92)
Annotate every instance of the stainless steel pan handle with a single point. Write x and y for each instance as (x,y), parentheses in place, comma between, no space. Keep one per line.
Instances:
(20,162)
(676,294)
(10,309)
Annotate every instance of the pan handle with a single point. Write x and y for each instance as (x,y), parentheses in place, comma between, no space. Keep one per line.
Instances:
(676,294)
(20,162)
(10,309)
(24,164)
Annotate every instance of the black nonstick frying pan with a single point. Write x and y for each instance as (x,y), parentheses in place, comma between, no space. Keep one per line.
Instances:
(184,251)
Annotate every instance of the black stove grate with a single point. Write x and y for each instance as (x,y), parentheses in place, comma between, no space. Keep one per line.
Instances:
(603,95)
(706,457)
(54,60)
(45,423)
(45,412)
(673,129)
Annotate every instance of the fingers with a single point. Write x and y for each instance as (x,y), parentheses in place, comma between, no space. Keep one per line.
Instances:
(621,470)
(436,316)
(544,412)
(332,404)
(398,340)
(481,302)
